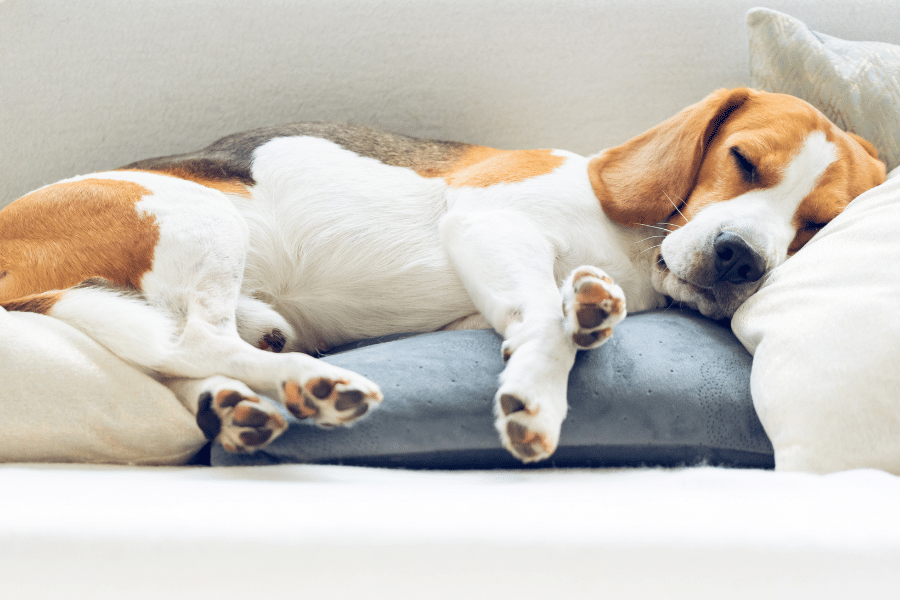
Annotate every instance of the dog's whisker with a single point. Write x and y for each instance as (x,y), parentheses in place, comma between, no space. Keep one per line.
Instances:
(655,227)
(667,224)
(650,238)
(678,210)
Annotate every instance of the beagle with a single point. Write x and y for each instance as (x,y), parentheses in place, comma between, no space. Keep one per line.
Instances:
(221,272)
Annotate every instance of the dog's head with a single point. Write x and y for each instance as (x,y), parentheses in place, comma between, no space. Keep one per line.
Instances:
(733,185)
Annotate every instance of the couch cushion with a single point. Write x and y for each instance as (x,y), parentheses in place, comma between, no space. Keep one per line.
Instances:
(67,399)
(669,388)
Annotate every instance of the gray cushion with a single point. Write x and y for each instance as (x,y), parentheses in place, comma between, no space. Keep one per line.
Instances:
(669,388)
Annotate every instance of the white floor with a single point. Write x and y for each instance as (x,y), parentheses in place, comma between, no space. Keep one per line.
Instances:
(347,532)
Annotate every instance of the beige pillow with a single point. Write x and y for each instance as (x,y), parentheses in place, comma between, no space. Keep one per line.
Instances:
(856,84)
(65,398)
(825,334)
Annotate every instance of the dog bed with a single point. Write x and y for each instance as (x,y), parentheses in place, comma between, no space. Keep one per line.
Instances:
(669,388)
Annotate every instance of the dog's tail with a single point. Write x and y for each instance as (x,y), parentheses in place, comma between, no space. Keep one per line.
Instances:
(119,318)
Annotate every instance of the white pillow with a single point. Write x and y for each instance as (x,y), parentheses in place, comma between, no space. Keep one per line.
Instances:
(856,84)
(65,398)
(825,334)
(825,327)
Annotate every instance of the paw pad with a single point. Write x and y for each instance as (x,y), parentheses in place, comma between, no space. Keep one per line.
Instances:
(300,405)
(592,305)
(273,341)
(242,421)
(510,404)
(328,402)
(592,315)
(246,415)
(526,443)
(592,339)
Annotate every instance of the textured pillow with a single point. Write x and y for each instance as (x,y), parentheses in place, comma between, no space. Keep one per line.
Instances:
(669,388)
(856,84)
(825,333)
(65,398)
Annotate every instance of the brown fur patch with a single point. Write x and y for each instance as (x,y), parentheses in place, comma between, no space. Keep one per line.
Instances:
(62,234)
(642,181)
(38,303)
(484,167)
(856,171)
(191,172)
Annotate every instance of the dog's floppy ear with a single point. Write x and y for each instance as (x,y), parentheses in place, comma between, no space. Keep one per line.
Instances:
(638,182)
(866,144)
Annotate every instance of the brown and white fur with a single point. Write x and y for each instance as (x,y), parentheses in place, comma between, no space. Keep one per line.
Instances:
(300,238)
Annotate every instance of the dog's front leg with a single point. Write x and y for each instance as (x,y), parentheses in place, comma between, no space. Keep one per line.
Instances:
(507,266)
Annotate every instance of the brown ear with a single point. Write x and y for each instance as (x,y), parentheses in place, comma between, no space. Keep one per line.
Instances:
(867,146)
(638,182)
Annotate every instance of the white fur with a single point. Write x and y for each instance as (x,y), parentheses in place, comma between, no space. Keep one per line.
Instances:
(126,325)
(346,247)
(316,202)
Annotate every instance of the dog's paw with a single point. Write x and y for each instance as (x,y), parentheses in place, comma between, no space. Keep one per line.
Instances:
(243,421)
(528,432)
(592,306)
(335,397)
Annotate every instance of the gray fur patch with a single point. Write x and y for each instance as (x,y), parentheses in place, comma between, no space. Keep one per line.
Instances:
(231,158)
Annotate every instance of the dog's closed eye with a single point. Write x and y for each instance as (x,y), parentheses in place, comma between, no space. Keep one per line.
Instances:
(747,168)
(813,226)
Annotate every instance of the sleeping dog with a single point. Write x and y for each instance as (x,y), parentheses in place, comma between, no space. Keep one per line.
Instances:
(221,272)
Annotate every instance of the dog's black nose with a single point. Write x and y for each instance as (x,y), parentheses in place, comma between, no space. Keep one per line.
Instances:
(736,261)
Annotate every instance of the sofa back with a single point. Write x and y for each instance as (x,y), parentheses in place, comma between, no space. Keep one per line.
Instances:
(87,85)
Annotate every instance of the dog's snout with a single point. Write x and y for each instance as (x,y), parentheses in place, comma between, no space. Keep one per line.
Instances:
(736,261)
